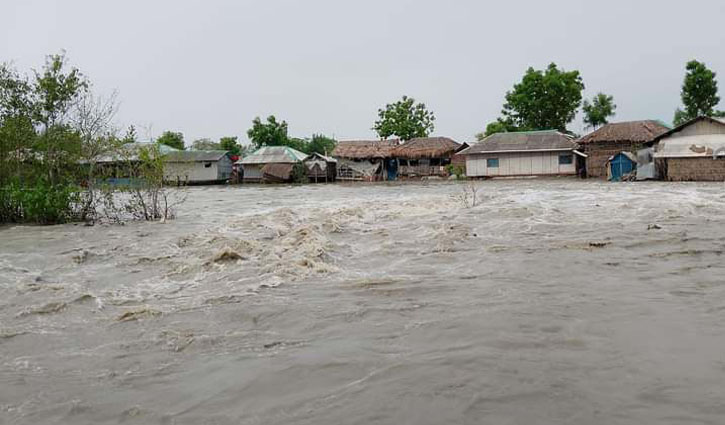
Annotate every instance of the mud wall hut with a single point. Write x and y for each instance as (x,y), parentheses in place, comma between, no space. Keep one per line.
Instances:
(611,139)
(425,156)
(376,156)
(693,151)
(527,153)
(278,160)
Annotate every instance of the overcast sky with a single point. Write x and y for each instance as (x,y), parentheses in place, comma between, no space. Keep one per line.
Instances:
(207,68)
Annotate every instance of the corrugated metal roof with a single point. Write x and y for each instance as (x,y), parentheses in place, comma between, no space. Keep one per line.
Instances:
(546,140)
(692,146)
(274,155)
(195,156)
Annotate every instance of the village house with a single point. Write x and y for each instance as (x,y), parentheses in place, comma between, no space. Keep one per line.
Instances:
(526,153)
(321,168)
(270,163)
(425,156)
(197,167)
(604,144)
(693,151)
(366,160)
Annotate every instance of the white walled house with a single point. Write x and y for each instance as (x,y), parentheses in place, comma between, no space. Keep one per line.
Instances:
(521,154)
(197,167)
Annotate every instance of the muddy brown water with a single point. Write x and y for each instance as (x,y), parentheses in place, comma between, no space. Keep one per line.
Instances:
(551,302)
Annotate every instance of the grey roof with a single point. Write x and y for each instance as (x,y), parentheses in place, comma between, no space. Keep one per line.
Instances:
(318,156)
(195,156)
(273,155)
(547,140)
(680,127)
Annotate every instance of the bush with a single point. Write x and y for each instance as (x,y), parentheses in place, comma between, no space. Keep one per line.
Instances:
(41,203)
(455,170)
(299,173)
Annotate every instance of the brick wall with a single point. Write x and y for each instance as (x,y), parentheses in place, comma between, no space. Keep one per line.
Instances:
(599,152)
(695,169)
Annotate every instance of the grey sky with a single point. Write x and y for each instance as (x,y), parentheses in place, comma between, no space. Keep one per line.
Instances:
(207,68)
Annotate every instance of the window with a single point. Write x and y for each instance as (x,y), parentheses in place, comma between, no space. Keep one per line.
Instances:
(565,159)
(207,165)
(492,163)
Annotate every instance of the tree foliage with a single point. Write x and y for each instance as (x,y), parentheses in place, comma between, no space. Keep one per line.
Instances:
(405,119)
(205,144)
(699,93)
(543,100)
(172,139)
(320,144)
(269,133)
(230,144)
(598,111)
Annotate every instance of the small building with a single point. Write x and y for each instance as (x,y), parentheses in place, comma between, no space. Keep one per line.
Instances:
(526,153)
(425,156)
(377,155)
(693,151)
(622,166)
(197,167)
(611,139)
(271,157)
(321,168)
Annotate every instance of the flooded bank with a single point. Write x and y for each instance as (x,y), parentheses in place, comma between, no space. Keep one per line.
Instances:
(551,301)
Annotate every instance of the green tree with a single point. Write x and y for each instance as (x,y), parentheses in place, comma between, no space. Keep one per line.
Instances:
(699,93)
(230,144)
(544,99)
(320,144)
(271,133)
(405,119)
(205,144)
(173,139)
(597,112)
(498,126)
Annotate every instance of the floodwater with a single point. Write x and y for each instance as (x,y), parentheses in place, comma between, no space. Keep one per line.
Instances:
(550,302)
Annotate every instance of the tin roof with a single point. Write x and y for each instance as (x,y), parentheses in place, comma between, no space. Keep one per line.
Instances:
(546,140)
(707,145)
(273,155)
(195,156)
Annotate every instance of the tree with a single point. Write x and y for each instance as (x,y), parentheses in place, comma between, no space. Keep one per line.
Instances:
(205,145)
(404,119)
(271,133)
(230,144)
(320,144)
(498,126)
(599,110)
(699,93)
(172,139)
(544,99)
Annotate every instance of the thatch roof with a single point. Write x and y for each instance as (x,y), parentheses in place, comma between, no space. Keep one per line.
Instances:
(547,140)
(427,147)
(629,131)
(274,155)
(365,149)
(717,121)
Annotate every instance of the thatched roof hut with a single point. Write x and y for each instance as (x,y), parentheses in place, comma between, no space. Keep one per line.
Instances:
(427,147)
(365,149)
(613,138)
(629,131)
